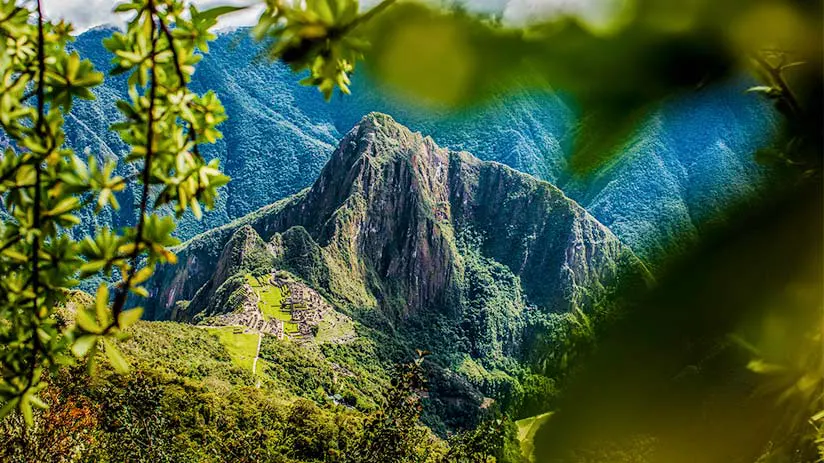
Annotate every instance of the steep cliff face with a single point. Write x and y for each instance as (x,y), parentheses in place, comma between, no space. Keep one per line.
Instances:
(399,225)
(563,256)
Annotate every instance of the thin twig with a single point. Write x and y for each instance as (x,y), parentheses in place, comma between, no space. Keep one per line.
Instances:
(777,77)
(38,172)
(170,38)
(367,16)
(120,299)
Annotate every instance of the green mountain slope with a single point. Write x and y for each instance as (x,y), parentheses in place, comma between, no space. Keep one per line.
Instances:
(423,247)
(697,150)
(191,396)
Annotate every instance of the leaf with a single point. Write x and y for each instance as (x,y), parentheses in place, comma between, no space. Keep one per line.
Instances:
(140,291)
(90,268)
(86,321)
(16,255)
(65,205)
(25,409)
(91,362)
(101,304)
(142,275)
(123,7)
(116,358)
(214,13)
(8,407)
(762,367)
(37,402)
(82,344)
(128,318)
(760,89)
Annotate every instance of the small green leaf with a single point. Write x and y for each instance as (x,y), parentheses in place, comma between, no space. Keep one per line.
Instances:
(762,367)
(101,305)
(129,317)
(65,205)
(8,407)
(16,255)
(760,89)
(92,358)
(140,291)
(86,321)
(37,402)
(25,409)
(213,13)
(82,344)
(123,7)
(116,358)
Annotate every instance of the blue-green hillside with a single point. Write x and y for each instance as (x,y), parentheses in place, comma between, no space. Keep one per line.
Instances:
(698,148)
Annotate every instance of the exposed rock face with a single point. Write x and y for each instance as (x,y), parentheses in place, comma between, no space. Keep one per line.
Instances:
(245,250)
(382,227)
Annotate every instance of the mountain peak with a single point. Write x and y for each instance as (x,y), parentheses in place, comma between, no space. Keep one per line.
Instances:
(377,134)
(392,215)
(377,120)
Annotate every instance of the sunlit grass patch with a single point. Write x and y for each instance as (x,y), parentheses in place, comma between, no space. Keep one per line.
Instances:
(242,347)
(334,327)
(271,300)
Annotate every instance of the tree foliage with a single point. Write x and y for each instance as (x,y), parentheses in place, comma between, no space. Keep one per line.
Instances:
(649,52)
(44,183)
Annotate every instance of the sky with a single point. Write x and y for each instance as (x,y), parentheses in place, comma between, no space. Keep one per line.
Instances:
(85,14)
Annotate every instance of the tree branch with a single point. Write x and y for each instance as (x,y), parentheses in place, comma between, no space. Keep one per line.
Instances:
(122,295)
(38,173)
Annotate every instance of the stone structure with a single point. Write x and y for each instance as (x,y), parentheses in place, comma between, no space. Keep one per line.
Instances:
(304,304)
(250,317)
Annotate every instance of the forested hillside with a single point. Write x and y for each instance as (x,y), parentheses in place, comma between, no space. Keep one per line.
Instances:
(411,231)
(699,147)
(425,248)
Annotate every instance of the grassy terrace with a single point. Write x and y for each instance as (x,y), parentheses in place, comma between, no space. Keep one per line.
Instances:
(334,327)
(242,347)
(271,302)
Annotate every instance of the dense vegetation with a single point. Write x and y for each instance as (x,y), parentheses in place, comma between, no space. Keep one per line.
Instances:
(188,398)
(528,303)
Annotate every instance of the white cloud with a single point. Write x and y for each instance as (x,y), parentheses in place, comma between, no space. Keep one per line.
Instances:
(85,14)
(597,13)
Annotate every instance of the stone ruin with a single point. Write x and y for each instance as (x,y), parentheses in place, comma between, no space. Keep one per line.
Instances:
(305,305)
(250,317)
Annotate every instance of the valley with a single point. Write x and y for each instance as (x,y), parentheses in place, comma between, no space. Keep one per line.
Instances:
(406,245)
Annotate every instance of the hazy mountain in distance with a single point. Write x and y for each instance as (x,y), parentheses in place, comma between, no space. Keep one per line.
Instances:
(688,161)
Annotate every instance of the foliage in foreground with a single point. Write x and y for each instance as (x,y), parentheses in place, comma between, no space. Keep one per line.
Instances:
(43,184)
(199,406)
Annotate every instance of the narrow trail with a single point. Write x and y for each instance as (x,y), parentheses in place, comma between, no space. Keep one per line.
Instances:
(254,362)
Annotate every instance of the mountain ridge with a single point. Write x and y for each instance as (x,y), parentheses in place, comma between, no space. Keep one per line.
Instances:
(277,127)
(400,229)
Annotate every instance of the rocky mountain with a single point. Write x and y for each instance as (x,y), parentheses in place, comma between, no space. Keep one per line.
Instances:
(413,239)
(698,148)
